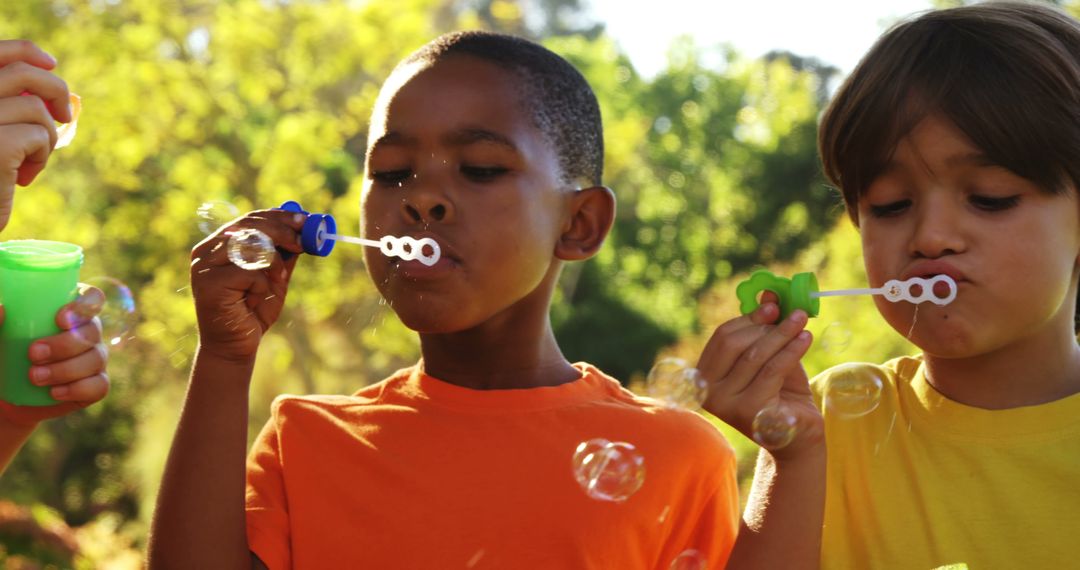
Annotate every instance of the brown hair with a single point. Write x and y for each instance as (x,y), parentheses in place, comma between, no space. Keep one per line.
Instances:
(1007,74)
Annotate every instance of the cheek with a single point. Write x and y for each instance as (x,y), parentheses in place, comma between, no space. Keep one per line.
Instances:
(876,259)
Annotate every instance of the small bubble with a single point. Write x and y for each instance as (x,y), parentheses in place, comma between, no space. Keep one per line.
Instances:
(215,213)
(774,427)
(608,471)
(852,391)
(251,249)
(676,383)
(689,559)
(835,338)
(117,314)
(662,124)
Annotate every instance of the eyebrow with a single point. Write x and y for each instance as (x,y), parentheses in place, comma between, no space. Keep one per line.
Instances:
(458,138)
(971,158)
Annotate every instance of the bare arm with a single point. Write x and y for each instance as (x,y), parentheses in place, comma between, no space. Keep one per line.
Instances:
(782,523)
(12,438)
(199,520)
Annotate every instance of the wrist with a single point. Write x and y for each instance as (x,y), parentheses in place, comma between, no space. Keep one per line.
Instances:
(215,368)
(806,454)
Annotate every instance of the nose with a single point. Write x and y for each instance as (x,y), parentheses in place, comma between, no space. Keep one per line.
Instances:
(426,203)
(937,232)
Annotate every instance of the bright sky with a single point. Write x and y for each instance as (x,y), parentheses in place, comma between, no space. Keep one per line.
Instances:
(835,31)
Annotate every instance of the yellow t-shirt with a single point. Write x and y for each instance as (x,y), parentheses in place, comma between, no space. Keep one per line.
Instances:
(922,481)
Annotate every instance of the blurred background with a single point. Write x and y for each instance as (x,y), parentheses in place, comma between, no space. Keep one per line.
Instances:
(221,107)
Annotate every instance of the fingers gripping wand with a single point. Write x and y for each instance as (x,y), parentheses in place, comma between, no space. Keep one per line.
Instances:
(801,291)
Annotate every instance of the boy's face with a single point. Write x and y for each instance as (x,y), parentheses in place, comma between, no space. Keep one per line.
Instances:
(453,155)
(942,207)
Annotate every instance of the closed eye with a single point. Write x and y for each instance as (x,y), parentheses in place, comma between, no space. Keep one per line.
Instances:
(890,209)
(483,173)
(391,177)
(993,204)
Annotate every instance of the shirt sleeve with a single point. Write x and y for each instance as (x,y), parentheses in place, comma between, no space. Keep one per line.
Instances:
(266,508)
(719,524)
(705,538)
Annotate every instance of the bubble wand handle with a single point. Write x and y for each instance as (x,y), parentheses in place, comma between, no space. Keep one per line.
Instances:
(845,292)
(405,247)
(801,291)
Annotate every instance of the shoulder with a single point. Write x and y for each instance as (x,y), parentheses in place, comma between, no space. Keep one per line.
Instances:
(300,408)
(849,374)
(656,424)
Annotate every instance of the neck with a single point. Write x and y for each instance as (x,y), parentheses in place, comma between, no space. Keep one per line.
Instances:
(511,350)
(1042,368)
(485,359)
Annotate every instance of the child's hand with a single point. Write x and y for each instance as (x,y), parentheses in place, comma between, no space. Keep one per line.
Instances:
(752,364)
(27,127)
(71,362)
(236,306)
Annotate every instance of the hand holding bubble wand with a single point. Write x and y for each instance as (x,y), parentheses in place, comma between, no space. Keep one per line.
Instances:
(252,249)
(674,382)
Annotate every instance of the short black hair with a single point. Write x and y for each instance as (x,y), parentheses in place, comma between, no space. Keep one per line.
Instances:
(1007,74)
(559,99)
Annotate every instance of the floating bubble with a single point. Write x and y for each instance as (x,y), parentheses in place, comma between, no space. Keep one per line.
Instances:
(677,384)
(117,314)
(774,427)
(215,213)
(608,471)
(65,132)
(689,559)
(251,249)
(835,338)
(852,391)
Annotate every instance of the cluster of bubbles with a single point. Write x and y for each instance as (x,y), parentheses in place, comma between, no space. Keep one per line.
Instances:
(213,214)
(117,314)
(677,384)
(608,471)
(852,391)
(615,470)
(250,249)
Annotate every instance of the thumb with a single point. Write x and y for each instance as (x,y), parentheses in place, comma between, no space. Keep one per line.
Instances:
(1,314)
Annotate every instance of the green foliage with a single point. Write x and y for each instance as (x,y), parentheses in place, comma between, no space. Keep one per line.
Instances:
(256,101)
(715,170)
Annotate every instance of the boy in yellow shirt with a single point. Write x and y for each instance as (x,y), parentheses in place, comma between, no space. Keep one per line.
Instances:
(956,145)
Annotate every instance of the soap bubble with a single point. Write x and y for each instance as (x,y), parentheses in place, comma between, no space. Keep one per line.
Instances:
(251,249)
(677,384)
(774,426)
(608,471)
(65,132)
(835,338)
(215,213)
(852,390)
(689,559)
(117,313)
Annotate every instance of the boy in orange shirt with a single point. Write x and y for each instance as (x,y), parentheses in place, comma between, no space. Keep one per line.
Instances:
(491,145)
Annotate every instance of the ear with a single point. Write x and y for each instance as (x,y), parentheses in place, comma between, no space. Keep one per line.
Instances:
(590,214)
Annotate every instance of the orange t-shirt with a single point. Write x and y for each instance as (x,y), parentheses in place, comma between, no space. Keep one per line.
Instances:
(413,472)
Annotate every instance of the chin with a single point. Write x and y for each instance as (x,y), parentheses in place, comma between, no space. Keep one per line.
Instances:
(430,322)
(936,334)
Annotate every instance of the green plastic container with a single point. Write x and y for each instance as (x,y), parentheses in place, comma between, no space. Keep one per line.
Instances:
(36,278)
